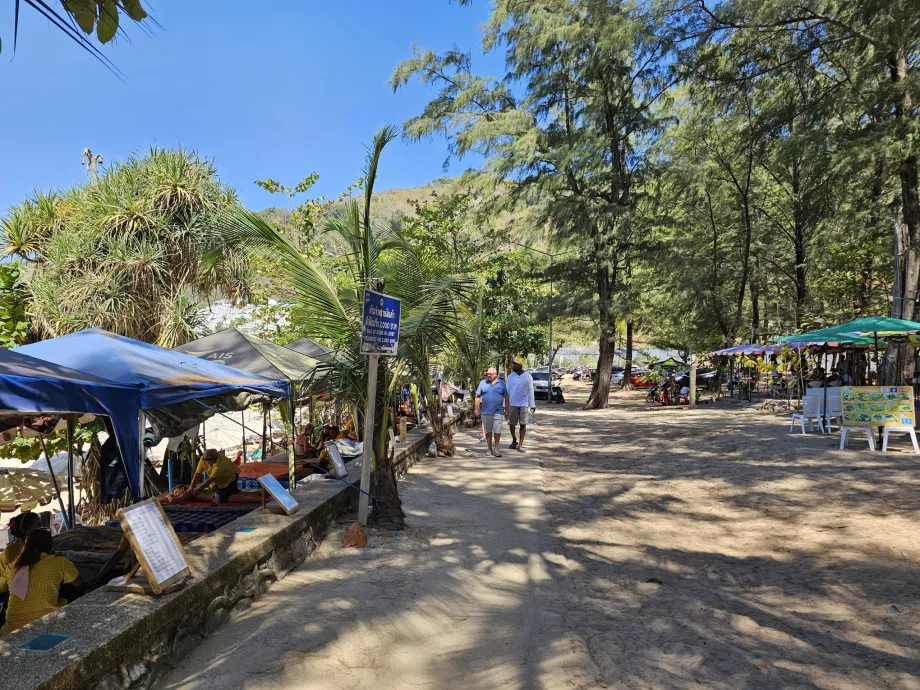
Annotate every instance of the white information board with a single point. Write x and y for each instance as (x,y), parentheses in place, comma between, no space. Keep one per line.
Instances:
(155,544)
(279,493)
(337,460)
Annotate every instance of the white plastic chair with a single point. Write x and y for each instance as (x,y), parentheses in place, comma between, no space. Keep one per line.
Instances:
(834,408)
(857,430)
(900,430)
(811,410)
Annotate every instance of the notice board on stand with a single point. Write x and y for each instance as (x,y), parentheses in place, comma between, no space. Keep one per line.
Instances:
(867,406)
(158,550)
(281,495)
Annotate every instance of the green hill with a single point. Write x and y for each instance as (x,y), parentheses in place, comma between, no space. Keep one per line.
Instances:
(386,203)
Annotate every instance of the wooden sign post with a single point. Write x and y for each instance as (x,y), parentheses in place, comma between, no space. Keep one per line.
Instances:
(158,551)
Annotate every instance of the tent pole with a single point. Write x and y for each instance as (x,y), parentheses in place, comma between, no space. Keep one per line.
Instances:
(141,428)
(243,424)
(71,512)
(289,424)
(54,481)
(265,410)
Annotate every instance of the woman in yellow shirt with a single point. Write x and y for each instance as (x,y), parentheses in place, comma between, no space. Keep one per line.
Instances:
(36,580)
(20,526)
(222,473)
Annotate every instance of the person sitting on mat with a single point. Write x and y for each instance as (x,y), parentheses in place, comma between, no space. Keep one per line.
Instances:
(222,474)
(36,580)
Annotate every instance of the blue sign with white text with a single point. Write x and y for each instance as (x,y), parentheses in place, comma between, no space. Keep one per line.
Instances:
(380,325)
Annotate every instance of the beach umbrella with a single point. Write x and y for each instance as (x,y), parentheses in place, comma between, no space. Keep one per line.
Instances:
(59,465)
(24,486)
(860,331)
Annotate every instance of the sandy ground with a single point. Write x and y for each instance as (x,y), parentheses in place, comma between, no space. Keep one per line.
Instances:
(474,594)
(714,549)
(630,548)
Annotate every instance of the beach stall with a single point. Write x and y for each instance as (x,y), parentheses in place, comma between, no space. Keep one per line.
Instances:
(176,391)
(31,387)
(270,360)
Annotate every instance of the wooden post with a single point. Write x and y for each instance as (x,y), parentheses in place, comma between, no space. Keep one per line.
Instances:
(692,401)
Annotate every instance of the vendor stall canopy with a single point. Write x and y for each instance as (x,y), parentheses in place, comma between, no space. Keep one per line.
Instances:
(861,331)
(163,376)
(251,353)
(165,382)
(34,386)
(310,348)
(669,363)
(754,350)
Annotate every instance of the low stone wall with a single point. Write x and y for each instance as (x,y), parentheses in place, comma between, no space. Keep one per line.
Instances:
(121,641)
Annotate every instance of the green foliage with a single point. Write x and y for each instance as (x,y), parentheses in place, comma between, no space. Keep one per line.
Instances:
(14,306)
(102,16)
(132,254)
(329,291)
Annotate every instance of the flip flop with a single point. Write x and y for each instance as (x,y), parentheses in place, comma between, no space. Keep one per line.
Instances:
(496,454)
(521,450)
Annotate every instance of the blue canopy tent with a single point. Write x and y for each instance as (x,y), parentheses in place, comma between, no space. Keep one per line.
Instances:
(162,377)
(33,386)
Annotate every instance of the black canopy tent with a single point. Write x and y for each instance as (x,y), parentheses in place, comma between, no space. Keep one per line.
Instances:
(259,356)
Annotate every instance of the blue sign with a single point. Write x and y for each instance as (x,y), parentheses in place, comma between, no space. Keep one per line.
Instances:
(380,325)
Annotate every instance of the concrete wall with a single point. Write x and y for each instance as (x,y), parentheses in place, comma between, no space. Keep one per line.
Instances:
(125,641)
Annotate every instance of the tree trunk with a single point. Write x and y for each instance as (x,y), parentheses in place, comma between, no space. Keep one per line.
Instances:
(383,480)
(798,234)
(627,384)
(876,230)
(910,190)
(600,386)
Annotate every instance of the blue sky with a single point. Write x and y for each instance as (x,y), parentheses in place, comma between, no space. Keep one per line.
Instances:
(275,89)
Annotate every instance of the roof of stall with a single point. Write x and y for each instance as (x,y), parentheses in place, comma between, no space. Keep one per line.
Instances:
(860,331)
(35,386)
(163,376)
(251,353)
(310,348)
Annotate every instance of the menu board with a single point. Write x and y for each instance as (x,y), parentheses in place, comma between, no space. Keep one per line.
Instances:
(878,406)
(279,493)
(158,550)
(336,456)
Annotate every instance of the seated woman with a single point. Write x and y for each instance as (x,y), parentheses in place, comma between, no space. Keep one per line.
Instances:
(303,446)
(20,526)
(221,482)
(35,582)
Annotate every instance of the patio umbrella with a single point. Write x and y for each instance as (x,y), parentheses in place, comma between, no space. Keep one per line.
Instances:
(860,331)
(20,486)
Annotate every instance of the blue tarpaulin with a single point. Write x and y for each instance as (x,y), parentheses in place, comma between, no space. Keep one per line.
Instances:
(34,386)
(163,377)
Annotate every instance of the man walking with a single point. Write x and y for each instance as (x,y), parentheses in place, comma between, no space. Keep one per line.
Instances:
(522,402)
(492,402)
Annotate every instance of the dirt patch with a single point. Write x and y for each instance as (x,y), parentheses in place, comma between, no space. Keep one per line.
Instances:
(712,548)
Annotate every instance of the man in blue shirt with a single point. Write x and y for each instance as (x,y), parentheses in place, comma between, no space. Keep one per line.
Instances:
(492,403)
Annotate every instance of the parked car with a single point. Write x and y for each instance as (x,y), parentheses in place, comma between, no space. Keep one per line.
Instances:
(641,378)
(541,384)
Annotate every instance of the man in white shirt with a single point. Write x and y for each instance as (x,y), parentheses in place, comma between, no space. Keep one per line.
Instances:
(522,402)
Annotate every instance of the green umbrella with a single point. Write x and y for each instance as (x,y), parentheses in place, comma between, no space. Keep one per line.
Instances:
(859,332)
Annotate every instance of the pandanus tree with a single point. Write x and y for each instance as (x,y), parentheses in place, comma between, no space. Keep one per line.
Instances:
(136,253)
(369,254)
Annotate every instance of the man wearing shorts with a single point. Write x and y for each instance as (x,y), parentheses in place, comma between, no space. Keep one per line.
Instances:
(492,403)
(522,402)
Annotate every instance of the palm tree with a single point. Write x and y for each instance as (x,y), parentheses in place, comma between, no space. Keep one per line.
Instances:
(374,255)
(134,253)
